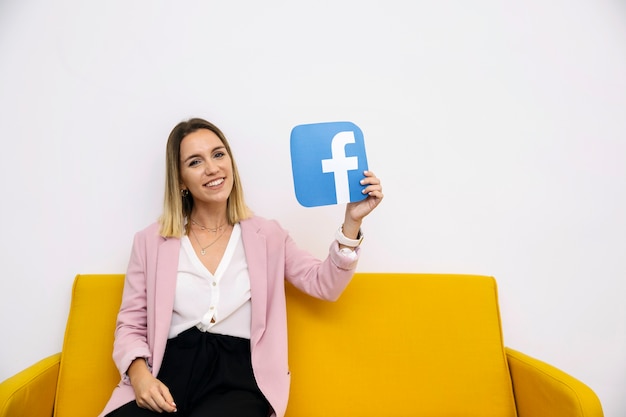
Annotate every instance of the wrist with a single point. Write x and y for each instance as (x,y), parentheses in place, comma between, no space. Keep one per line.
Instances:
(137,368)
(351,228)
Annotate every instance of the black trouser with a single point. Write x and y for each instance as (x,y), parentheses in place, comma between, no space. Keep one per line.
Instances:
(208,375)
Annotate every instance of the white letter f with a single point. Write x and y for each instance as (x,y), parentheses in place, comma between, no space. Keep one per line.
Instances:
(339,165)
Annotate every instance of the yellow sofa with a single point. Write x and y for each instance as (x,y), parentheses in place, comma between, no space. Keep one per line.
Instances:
(394,345)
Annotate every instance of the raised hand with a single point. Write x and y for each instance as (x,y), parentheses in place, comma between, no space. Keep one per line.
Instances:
(355,212)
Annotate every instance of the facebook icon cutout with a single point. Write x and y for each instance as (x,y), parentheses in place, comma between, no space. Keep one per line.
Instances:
(328,160)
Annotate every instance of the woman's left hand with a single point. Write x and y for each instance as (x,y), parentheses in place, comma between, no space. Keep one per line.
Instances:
(355,212)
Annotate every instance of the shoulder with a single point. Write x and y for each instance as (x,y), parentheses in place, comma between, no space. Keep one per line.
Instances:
(150,233)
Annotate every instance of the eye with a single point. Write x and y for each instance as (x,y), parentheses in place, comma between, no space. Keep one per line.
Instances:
(219,155)
(194,162)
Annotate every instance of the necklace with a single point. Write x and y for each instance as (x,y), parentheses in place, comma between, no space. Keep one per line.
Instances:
(212,230)
(203,249)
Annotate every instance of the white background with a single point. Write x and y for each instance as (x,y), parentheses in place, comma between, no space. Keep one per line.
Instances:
(498,128)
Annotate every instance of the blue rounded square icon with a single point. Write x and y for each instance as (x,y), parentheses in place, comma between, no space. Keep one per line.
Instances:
(328,160)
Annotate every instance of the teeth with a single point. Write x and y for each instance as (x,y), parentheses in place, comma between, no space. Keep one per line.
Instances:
(216,182)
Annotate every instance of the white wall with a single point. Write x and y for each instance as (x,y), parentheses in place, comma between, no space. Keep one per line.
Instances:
(499,131)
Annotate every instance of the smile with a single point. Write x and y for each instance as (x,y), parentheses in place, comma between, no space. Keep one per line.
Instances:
(214,183)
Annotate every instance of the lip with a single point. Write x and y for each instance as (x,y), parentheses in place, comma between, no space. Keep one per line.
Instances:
(215,183)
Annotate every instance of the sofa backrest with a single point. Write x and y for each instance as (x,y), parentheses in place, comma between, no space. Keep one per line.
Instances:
(400,345)
(87,374)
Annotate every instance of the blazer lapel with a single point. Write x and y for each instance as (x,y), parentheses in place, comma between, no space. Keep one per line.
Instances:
(255,246)
(164,293)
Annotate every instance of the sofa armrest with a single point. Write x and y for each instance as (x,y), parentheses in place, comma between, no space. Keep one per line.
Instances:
(542,390)
(31,392)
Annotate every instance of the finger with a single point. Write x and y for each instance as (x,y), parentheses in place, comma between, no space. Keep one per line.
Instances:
(160,400)
(159,405)
(370,178)
(373,188)
(169,400)
(148,404)
(370,181)
(154,402)
(370,186)
(374,191)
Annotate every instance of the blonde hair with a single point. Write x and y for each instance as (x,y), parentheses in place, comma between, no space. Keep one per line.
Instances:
(176,205)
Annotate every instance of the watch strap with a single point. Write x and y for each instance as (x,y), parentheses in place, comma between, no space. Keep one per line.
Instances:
(343,240)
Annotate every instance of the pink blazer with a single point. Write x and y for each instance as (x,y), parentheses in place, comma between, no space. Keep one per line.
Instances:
(148,298)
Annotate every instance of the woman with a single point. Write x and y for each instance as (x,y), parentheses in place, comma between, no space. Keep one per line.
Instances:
(202,325)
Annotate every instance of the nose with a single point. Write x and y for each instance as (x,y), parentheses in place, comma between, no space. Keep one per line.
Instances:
(210,167)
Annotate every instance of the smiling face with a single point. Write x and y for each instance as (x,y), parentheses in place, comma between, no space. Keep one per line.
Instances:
(206,168)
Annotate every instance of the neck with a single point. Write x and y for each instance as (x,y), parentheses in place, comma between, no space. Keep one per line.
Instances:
(209,219)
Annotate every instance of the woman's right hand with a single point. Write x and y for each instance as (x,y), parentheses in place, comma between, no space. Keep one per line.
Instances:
(150,393)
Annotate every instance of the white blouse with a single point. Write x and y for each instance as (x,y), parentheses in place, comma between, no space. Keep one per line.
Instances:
(217,303)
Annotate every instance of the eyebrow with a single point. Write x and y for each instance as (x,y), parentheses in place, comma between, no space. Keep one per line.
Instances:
(197,155)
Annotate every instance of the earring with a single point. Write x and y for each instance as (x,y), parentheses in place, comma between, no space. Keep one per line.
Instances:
(184,193)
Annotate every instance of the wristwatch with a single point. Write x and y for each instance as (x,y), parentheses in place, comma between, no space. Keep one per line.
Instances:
(343,240)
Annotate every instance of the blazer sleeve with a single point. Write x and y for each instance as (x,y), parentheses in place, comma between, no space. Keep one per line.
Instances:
(325,279)
(131,329)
